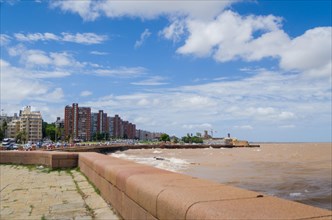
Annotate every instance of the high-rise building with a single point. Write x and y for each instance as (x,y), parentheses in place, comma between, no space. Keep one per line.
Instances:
(117,127)
(13,127)
(102,122)
(31,123)
(99,123)
(77,123)
(94,123)
(111,126)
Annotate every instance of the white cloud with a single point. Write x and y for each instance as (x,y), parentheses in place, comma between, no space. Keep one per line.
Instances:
(310,52)
(32,58)
(287,126)
(18,85)
(85,93)
(244,127)
(36,37)
(99,53)
(153,81)
(197,126)
(238,104)
(4,39)
(230,36)
(210,31)
(85,9)
(145,35)
(90,10)
(80,38)
(175,30)
(121,72)
(85,38)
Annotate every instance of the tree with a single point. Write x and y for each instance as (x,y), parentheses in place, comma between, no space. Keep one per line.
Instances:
(3,129)
(192,139)
(50,131)
(175,140)
(2,134)
(164,137)
(21,137)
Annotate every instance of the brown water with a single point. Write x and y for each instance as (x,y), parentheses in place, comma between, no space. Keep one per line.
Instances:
(300,172)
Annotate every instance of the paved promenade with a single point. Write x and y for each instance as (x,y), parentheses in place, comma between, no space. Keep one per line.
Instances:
(35,193)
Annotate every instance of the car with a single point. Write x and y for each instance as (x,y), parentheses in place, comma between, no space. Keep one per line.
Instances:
(12,146)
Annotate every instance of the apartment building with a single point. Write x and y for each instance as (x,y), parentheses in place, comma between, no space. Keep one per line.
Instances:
(77,122)
(99,123)
(102,122)
(31,123)
(13,127)
(117,127)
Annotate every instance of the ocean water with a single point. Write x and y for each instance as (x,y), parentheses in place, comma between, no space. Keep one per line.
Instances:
(300,172)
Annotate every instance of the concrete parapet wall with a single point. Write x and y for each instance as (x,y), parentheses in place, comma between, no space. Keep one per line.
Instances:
(142,192)
(47,158)
(139,191)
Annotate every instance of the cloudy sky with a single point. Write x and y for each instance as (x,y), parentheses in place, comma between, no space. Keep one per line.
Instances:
(260,70)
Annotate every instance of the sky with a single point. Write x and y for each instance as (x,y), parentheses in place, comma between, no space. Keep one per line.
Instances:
(259,70)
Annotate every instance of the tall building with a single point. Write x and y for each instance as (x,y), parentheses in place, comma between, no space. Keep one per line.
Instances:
(117,127)
(94,123)
(31,123)
(13,127)
(111,126)
(102,122)
(99,123)
(77,122)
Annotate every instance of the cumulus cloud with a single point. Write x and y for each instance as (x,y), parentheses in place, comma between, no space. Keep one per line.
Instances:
(32,58)
(153,81)
(174,31)
(30,86)
(85,93)
(90,10)
(310,52)
(80,38)
(232,36)
(197,126)
(244,127)
(4,39)
(145,35)
(237,104)
(209,30)
(99,53)
(121,72)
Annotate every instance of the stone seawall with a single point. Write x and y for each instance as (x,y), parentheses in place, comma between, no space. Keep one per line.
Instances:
(50,159)
(139,191)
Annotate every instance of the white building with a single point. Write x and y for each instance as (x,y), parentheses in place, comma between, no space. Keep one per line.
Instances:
(31,123)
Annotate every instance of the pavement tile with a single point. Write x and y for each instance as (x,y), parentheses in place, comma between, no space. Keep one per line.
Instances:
(32,194)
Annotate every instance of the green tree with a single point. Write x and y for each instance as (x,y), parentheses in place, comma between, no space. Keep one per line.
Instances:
(21,137)
(3,129)
(164,137)
(175,140)
(192,139)
(2,134)
(50,131)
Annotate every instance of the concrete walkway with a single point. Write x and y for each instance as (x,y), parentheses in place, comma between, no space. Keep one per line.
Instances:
(30,192)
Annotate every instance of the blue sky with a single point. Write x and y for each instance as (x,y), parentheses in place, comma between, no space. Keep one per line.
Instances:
(260,70)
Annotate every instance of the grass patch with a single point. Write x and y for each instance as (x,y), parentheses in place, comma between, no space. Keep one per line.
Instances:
(20,189)
(43,218)
(78,189)
(91,183)
(31,208)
